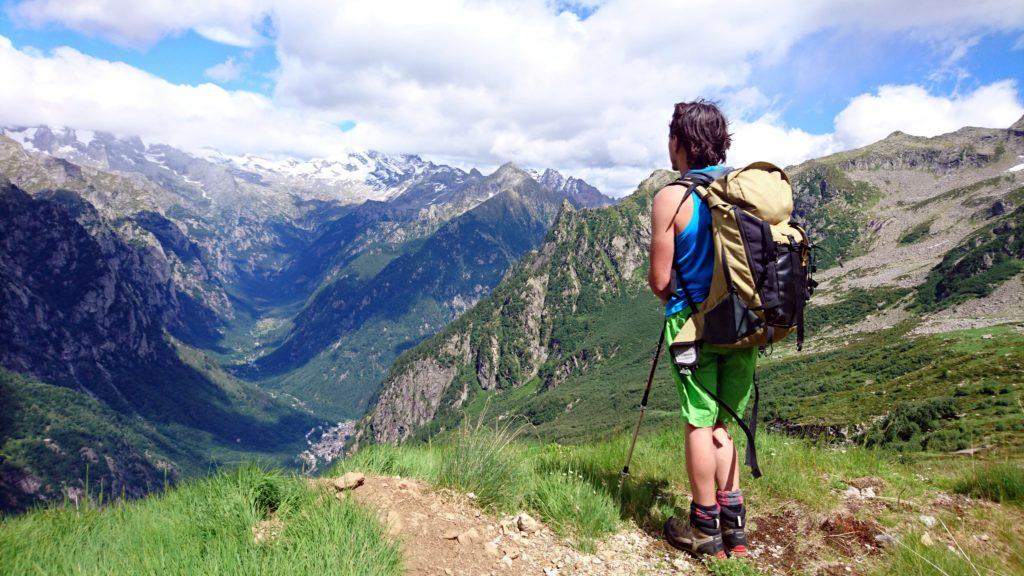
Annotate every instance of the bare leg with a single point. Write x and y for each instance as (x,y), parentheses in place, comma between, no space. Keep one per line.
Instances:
(701,457)
(727,469)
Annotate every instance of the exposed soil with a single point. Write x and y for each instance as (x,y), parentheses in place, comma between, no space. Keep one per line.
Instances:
(445,533)
(851,536)
(775,542)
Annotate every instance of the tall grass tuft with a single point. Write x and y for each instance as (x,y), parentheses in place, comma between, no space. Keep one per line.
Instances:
(996,482)
(487,462)
(912,558)
(574,508)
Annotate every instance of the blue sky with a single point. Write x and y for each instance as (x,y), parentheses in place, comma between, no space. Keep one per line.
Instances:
(823,71)
(179,58)
(581,86)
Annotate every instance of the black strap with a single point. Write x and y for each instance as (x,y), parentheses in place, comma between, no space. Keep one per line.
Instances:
(795,257)
(800,330)
(749,430)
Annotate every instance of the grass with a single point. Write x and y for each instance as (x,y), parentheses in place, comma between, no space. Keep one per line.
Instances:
(732,567)
(976,266)
(486,463)
(1000,482)
(573,488)
(206,527)
(910,557)
(916,232)
(203,528)
(505,474)
(854,306)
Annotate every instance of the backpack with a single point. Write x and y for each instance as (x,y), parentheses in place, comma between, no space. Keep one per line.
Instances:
(762,274)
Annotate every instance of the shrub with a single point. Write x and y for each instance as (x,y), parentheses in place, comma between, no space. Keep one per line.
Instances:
(904,428)
(916,232)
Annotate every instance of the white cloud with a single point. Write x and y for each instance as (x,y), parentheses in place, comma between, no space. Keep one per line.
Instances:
(227,71)
(137,24)
(68,88)
(911,109)
(768,139)
(480,83)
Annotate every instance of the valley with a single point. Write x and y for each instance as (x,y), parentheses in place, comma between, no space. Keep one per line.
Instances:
(276,289)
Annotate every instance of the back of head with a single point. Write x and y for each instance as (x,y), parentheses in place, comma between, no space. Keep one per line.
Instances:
(702,131)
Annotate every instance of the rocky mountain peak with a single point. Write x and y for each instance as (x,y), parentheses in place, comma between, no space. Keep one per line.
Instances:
(509,169)
(1018,125)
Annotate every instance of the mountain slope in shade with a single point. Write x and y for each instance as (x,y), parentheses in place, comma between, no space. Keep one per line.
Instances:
(85,310)
(564,339)
(52,438)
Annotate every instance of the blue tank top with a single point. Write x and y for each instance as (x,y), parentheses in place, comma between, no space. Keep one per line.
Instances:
(694,257)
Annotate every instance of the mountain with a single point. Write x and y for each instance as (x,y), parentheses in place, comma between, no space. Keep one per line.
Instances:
(579,192)
(131,273)
(86,311)
(344,339)
(927,234)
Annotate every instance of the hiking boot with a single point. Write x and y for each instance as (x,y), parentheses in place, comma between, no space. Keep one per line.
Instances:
(689,538)
(733,536)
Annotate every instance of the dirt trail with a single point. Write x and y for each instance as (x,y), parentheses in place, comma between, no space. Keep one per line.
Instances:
(445,533)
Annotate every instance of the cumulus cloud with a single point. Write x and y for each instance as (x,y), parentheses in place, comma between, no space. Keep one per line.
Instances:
(68,88)
(137,24)
(480,83)
(911,109)
(227,71)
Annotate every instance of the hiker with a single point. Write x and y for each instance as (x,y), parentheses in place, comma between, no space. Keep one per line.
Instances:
(681,264)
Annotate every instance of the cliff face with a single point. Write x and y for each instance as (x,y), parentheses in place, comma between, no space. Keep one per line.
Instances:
(92,318)
(75,301)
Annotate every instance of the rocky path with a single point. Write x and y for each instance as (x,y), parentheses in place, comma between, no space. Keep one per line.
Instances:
(445,533)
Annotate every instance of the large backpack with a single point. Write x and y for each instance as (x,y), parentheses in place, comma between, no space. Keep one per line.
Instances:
(762,274)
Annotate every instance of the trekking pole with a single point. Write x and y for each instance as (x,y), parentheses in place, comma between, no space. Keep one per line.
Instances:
(643,409)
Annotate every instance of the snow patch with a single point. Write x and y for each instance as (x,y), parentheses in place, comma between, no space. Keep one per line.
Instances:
(22,136)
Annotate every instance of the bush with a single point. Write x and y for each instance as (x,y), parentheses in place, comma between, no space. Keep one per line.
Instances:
(917,232)
(905,427)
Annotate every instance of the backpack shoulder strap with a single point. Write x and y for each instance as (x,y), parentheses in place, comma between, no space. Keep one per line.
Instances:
(691,181)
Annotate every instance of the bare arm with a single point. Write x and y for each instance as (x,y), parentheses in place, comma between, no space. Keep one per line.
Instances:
(663,213)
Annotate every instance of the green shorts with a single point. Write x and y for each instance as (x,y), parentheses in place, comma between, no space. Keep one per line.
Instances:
(727,372)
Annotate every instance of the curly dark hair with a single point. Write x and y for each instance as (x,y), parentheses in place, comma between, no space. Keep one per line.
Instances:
(702,131)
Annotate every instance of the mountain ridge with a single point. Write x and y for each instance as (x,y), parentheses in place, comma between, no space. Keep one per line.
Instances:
(540,328)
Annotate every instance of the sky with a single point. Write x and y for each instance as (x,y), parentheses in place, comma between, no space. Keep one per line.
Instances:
(585,87)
